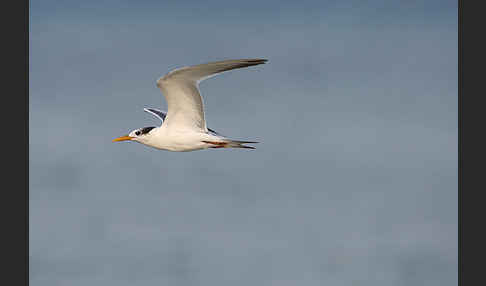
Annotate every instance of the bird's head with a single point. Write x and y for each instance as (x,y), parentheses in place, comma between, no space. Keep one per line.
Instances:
(139,135)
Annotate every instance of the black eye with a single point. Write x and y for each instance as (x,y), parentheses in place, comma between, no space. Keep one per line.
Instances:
(137,133)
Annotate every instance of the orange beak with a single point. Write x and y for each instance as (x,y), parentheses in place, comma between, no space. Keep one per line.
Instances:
(122,138)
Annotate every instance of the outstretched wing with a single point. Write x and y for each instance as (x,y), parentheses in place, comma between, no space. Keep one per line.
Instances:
(181,90)
(158,113)
(161,115)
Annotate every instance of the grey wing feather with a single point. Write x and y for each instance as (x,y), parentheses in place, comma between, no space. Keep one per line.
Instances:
(161,115)
(201,72)
(158,113)
(180,88)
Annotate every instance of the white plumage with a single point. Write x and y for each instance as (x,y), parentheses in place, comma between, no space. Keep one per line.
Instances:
(183,126)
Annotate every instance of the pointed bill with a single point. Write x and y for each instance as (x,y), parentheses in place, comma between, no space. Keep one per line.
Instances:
(122,138)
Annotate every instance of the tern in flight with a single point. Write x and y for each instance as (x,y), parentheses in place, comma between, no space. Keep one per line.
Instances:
(183,127)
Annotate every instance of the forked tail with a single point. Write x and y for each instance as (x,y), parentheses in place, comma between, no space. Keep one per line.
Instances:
(239,144)
(228,143)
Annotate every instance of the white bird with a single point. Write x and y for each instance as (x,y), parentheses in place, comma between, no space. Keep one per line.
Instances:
(183,127)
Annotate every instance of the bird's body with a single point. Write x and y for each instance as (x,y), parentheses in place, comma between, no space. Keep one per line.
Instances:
(179,140)
(183,126)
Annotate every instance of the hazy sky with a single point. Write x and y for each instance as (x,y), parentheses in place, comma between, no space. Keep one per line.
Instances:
(354,183)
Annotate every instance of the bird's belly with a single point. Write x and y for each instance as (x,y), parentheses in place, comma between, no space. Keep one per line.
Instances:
(180,142)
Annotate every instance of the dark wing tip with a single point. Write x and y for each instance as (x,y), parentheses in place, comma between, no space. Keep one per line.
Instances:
(262,60)
(242,64)
(256,61)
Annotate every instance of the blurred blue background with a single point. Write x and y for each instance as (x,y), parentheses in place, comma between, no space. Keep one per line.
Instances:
(354,183)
